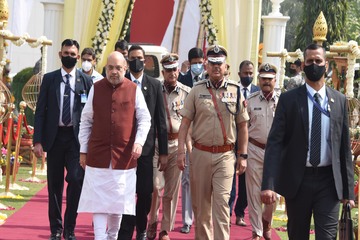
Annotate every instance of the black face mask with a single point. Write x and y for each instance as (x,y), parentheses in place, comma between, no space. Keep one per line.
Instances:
(292,71)
(136,65)
(68,62)
(314,72)
(245,81)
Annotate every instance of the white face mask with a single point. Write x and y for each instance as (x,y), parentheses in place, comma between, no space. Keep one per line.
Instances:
(86,66)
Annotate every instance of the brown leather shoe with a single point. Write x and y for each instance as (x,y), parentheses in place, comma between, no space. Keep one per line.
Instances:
(151,231)
(266,230)
(240,222)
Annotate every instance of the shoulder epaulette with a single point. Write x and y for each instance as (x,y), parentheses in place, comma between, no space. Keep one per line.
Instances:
(254,94)
(233,82)
(201,82)
(183,87)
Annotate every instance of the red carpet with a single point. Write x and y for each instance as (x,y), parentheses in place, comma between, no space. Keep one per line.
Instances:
(31,222)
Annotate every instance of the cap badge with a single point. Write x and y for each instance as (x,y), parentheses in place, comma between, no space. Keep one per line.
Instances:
(216,49)
(267,67)
(171,59)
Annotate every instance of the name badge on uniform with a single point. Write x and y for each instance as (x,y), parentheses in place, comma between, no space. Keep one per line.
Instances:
(83,98)
(205,96)
(177,105)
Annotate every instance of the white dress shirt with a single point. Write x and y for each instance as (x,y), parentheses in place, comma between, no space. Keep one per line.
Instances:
(325,157)
(72,94)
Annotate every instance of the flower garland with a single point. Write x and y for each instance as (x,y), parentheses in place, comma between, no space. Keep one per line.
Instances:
(351,60)
(127,20)
(38,42)
(208,22)
(103,27)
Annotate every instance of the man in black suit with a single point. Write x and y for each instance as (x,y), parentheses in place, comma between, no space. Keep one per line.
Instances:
(195,73)
(308,157)
(63,94)
(152,91)
(246,74)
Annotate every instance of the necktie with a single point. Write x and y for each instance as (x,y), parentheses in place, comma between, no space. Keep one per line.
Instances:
(66,117)
(137,82)
(315,144)
(196,78)
(245,93)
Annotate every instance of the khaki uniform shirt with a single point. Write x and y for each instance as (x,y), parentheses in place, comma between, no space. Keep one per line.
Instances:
(174,102)
(261,114)
(199,108)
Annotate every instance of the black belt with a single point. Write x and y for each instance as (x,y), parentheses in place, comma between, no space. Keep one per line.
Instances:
(318,170)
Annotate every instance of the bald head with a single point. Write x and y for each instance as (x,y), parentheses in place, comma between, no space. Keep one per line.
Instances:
(115,68)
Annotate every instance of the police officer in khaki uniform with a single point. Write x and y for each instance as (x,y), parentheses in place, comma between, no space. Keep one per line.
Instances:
(174,94)
(217,111)
(261,108)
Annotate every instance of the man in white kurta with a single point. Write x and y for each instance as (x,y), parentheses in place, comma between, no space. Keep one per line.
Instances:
(114,126)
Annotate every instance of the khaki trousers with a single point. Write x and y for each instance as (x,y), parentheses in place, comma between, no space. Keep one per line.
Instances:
(253,176)
(169,181)
(211,178)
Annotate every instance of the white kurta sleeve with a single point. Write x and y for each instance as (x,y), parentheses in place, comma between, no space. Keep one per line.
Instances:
(86,122)
(143,118)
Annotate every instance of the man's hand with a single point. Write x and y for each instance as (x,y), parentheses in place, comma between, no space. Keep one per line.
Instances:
(83,160)
(162,162)
(268,196)
(185,66)
(136,151)
(241,165)
(38,150)
(180,161)
(352,202)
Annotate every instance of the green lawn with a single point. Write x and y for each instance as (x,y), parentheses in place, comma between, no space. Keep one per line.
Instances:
(17,203)
(278,222)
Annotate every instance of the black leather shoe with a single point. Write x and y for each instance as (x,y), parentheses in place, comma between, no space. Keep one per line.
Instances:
(185,229)
(55,236)
(70,236)
(141,236)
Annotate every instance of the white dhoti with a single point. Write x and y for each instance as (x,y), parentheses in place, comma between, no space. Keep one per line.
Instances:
(109,191)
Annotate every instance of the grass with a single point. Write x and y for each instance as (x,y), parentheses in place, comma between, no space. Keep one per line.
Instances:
(282,224)
(278,222)
(17,203)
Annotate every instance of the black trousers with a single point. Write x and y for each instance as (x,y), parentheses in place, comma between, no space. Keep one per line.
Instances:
(316,196)
(64,154)
(144,189)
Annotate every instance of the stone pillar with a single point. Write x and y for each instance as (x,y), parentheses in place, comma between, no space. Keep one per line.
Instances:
(274,34)
(53,20)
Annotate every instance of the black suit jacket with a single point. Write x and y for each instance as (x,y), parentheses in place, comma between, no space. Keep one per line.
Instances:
(254,88)
(288,144)
(48,107)
(186,79)
(152,90)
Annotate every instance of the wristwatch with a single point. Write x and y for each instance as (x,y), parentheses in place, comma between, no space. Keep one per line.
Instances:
(243,155)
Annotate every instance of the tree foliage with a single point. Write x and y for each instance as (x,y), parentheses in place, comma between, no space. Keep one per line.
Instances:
(335,13)
(353,21)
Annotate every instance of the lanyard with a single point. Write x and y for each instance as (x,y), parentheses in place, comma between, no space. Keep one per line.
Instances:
(325,112)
